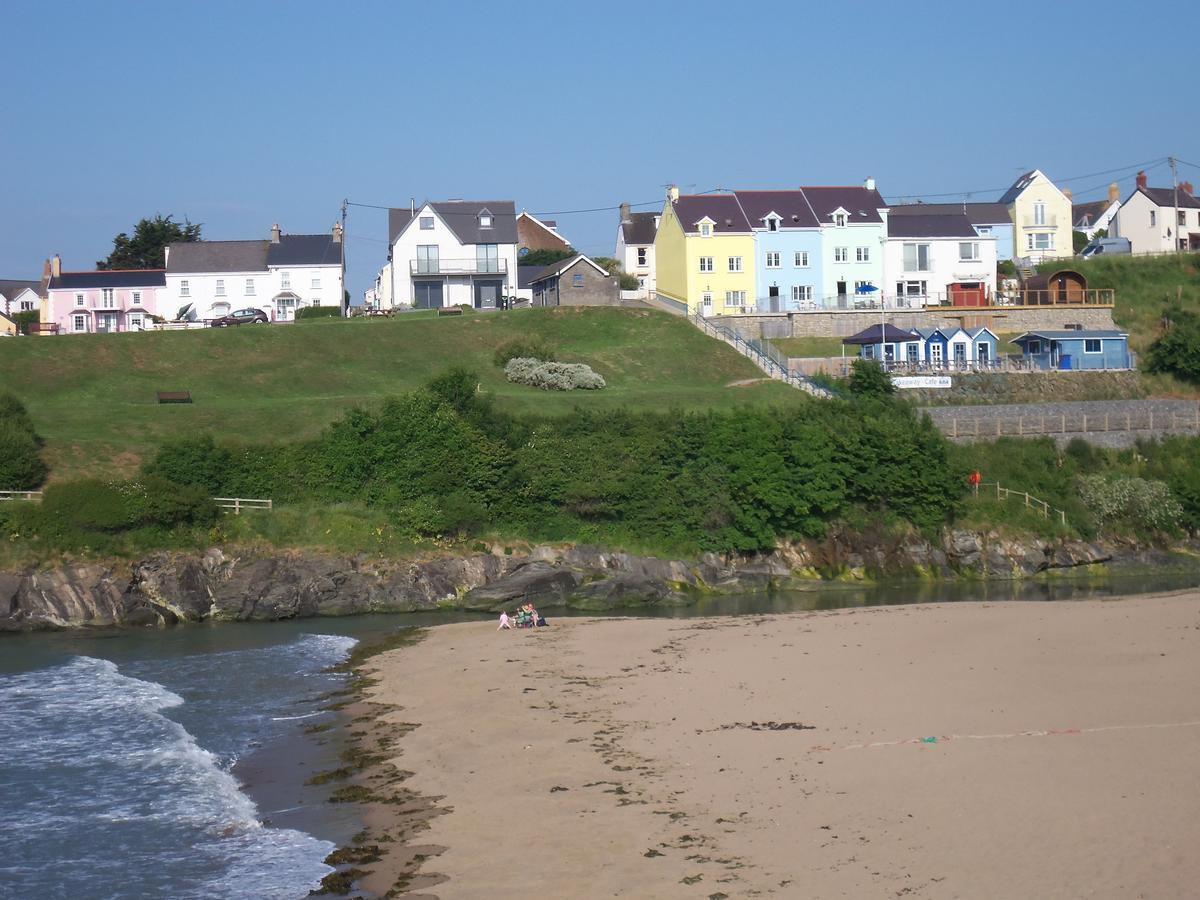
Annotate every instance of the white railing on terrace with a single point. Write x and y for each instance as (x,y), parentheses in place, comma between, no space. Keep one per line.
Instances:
(458,266)
(20,495)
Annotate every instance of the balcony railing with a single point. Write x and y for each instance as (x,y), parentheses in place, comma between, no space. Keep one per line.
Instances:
(458,266)
(1047,222)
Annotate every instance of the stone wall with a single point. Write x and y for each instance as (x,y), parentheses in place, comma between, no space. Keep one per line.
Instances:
(843,323)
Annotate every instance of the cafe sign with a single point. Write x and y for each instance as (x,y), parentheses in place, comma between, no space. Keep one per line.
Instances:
(922,381)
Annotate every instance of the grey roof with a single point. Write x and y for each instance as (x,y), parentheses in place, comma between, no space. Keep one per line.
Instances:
(724,210)
(1085,215)
(1017,187)
(1071,335)
(891,335)
(10,287)
(526,274)
(861,203)
(462,217)
(114,278)
(305,250)
(792,207)
(564,265)
(641,229)
(217,256)
(1166,197)
(948,225)
(978,213)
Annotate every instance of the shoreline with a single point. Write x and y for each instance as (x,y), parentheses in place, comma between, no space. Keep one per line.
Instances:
(922,747)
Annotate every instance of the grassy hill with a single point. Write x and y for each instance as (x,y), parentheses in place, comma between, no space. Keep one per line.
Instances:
(93,396)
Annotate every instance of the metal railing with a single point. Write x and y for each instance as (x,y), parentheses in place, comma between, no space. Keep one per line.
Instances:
(458,266)
(759,352)
(988,427)
(237,504)
(20,495)
(1031,502)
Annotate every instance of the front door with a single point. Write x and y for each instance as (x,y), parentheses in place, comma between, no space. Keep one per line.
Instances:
(487,294)
(773,296)
(935,355)
(427,294)
(841,294)
(983,353)
(106,322)
(960,355)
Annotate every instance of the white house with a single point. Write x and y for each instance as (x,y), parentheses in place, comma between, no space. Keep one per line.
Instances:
(1158,220)
(1041,219)
(635,246)
(19,296)
(937,259)
(1089,218)
(279,275)
(451,252)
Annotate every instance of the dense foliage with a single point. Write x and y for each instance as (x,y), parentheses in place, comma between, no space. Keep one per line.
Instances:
(318,312)
(530,347)
(1177,350)
(552,376)
(545,257)
(442,461)
(147,248)
(21,465)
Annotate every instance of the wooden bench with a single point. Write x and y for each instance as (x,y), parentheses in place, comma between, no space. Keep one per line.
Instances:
(449,310)
(174,396)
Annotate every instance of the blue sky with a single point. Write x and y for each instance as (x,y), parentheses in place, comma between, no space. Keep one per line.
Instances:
(240,114)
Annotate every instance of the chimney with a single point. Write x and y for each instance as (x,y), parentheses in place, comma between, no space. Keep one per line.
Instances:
(412,206)
(1114,192)
(337,232)
(275,233)
(626,216)
(1141,179)
(45,271)
(869,184)
(1067,193)
(673,192)
(56,266)
(1187,187)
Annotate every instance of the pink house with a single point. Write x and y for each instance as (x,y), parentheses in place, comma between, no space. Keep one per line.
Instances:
(102,301)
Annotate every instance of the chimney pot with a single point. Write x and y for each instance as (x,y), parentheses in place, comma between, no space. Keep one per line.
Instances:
(1067,193)
(1114,192)
(56,266)
(673,192)
(337,232)
(46,270)
(275,233)
(1187,187)
(1141,179)
(626,215)
(869,184)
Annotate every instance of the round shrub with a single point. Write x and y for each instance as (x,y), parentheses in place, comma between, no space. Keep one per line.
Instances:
(552,376)
(1136,502)
(21,466)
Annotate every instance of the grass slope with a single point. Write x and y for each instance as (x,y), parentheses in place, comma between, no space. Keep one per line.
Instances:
(93,396)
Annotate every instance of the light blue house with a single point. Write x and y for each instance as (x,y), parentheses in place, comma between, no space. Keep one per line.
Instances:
(1076,349)
(954,347)
(787,246)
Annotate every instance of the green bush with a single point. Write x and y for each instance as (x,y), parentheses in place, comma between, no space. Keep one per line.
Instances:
(1138,503)
(552,376)
(192,460)
(529,348)
(21,465)
(25,319)
(628,282)
(868,379)
(318,312)
(1177,350)
(92,505)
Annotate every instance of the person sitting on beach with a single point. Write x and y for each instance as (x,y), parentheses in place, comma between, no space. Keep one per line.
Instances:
(505,621)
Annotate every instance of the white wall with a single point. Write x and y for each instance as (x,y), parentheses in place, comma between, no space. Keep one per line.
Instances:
(945,267)
(202,290)
(1133,222)
(627,255)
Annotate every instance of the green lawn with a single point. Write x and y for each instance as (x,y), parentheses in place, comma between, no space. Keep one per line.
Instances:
(811,346)
(93,396)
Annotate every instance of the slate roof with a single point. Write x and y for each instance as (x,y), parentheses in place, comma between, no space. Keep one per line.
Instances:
(1084,215)
(891,335)
(114,278)
(558,268)
(723,209)
(462,218)
(526,274)
(217,256)
(1018,186)
(10,287)
(305,250)
(977,213)
(1166,197)
(946,225)
(792,207)
(1071,335)
(641,230)
(862,204)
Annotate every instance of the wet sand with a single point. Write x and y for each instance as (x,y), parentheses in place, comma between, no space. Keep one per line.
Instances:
(952,750)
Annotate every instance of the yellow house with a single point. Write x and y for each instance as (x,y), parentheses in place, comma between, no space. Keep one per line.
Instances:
(7,325)
(704,252)
(1041,217)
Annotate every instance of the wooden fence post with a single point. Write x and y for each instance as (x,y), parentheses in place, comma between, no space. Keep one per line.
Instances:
(1151,420)
(1064,423)
(1084,429)
(1021,426)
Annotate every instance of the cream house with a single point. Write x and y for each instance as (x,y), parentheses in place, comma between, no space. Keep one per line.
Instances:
(1041,217)
(1158,220)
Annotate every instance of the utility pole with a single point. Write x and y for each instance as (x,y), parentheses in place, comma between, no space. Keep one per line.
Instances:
(343,301)
(1175,186)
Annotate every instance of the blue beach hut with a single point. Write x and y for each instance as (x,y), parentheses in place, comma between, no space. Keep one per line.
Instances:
(1077,350)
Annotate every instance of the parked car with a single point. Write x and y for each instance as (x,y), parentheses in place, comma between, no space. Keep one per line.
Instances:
(1106,247)
(242,317)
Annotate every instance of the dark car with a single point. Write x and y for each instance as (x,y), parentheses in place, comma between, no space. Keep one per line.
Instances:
(242,317)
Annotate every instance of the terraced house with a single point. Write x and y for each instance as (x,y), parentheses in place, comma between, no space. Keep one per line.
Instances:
(789,263)
(704,253)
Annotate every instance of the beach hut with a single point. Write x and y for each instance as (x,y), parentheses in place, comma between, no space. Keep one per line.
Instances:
(1054,288)
(984,347)
(886,343)
(1101,349)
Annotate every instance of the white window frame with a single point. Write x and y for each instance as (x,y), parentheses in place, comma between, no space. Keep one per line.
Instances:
(316,283)
(802,293)
(1153,218)
(705,229)
(735,298)
(800,259)
(1099,342)
(1034,238)
(862,254)
(839,220)
(706,264)
(642,257)
(773,259)
(576,279)
(706,300)
(735,264)
(772,223)
(78,323)
(485,221)
(80,300)
(220,291)
(108,298)
(250,287)
(285,280)
(841,254)
(185,288)
(425,223)
(972,251)
(135,298)
(915,264)
(1034,347)
(1039,213)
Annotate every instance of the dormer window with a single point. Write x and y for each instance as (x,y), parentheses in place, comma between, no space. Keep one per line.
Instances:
(705,229)
(772,221)
(839,219)
(485,221)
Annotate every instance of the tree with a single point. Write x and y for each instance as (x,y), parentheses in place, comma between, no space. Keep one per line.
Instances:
(1177,350)
(612,266)
(147,248)
(545,257)
(868,379)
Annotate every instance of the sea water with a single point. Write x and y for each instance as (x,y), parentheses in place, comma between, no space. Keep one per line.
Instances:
(116,773)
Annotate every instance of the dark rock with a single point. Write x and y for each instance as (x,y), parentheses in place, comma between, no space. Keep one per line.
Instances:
(623,590)
(539,583)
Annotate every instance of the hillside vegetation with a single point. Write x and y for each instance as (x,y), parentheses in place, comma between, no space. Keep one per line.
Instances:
(92,397)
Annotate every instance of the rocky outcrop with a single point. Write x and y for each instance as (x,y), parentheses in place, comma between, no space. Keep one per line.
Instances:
(167,588)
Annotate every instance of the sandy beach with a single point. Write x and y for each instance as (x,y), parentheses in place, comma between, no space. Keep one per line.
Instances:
(957,750)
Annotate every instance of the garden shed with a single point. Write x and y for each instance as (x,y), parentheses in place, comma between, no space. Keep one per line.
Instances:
(1101,349)
(1054,288)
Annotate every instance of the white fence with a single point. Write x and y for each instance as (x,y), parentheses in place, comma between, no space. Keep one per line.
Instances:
(236,504)
(20,495)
